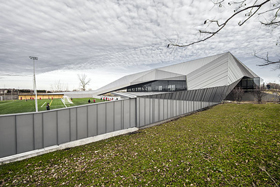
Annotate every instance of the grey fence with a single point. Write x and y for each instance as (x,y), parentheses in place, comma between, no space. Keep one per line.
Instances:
(150,110)
(30,131)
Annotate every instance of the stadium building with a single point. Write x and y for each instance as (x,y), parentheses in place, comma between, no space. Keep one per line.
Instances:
(207,79)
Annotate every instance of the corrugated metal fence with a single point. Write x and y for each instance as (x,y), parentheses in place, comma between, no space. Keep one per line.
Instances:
(30,131)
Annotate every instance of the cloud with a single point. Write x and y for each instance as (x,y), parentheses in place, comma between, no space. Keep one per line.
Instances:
(77,35)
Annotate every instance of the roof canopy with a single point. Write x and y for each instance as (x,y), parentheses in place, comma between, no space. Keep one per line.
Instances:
(218,70)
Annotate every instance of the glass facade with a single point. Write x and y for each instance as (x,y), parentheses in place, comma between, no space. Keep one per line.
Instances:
(159,86)
(248,84)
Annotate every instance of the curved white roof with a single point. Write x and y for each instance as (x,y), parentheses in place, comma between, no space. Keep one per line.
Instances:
(218,70)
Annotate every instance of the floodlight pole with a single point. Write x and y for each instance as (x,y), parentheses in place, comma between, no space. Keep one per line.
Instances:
(34,81)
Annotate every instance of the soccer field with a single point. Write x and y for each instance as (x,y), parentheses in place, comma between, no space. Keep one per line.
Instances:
(21,106)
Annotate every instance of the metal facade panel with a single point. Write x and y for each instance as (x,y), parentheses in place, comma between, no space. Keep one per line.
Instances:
(132,113)
(38,130)
(161,109)
(179,107)
(156,110)
(101,119)
(187,67)
(50,128)
(157,75)
(138,112)
(73,123)
(211,75)
(63,126)
(246,71)
(234,71)
(169,109)
(82,122)
(120,83)
(219,94)
(147,111)
(92,120)
(185,106)
(126,113)
(190,106)
(212,93)
(150,76)
(8,141)
(165,109)
(109,117)
(24,133)
(206,94)
(152,110)
(118,115)
(141,112)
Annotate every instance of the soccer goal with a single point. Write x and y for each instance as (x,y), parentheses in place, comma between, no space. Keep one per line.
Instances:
(66,100)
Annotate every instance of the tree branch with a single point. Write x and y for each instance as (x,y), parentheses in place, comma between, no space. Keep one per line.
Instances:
(223,24)
(267,61)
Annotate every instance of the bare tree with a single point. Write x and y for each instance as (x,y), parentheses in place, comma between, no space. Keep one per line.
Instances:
(238,93)
(258,94)
(83,81)
(250,8)
(57,86)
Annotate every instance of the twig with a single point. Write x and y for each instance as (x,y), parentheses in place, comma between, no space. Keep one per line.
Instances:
(262,168)
(267,61)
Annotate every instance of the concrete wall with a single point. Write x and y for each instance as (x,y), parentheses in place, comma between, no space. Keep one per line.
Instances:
(30,131)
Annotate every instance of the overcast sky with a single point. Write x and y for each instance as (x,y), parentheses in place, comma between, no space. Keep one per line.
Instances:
(111,38)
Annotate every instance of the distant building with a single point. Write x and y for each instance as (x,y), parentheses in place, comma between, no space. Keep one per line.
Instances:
(25,96)
(22,94)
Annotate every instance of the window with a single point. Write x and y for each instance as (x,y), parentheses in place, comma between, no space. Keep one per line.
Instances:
(159,86)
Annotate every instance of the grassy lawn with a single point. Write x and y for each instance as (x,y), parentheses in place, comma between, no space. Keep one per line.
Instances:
(21,106)
(228,145)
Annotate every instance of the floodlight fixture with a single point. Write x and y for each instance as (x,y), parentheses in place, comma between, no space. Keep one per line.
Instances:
(33,57)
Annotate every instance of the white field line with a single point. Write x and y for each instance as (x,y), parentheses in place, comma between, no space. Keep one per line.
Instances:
(5,103)
(63,102)
(43,104)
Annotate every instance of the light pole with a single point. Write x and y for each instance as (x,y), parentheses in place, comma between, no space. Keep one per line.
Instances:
(34,81)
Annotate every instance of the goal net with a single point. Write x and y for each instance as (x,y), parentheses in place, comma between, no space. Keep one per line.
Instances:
(66,100)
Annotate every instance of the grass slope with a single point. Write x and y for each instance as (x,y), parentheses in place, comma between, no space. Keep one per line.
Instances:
(228,145)
(21,106)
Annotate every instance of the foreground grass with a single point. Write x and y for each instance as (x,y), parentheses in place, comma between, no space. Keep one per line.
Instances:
(21,106)
(228,145)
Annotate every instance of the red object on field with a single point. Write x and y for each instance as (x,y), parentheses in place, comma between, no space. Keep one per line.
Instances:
(52,98)
(20,98)
(30,98)
(40,98)
(94,100)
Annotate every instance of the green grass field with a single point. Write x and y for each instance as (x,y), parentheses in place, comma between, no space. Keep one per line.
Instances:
(228,145)
(21,106)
